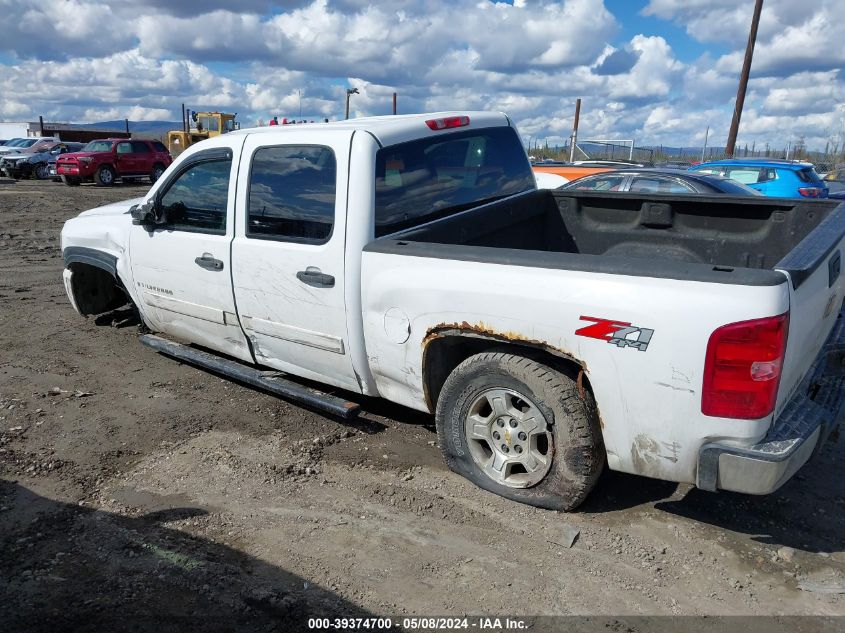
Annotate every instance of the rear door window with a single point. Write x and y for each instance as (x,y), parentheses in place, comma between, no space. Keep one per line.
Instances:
(292,193)
(434,177)
(139,147)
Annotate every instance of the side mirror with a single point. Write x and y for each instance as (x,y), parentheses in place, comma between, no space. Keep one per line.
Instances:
(143,214)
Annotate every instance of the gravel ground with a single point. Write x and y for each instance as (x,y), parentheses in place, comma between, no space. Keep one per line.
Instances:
(137,493)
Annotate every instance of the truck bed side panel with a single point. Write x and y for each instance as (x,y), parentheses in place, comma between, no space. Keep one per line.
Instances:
(649,400)
(816,290)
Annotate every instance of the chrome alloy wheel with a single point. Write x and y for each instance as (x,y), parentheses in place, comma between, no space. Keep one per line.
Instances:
(509,438)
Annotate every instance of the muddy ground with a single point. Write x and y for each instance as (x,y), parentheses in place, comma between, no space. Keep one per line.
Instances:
(137,493)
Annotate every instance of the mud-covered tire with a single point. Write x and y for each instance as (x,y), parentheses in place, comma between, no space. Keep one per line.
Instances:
(71,181)
(577,451)
(105,176)
(41,171)
(157,171)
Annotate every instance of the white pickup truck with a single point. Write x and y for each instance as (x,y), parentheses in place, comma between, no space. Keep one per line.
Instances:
(687,338)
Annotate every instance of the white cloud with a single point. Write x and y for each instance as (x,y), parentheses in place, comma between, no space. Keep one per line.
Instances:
(728,20)
(81,59)
(792,37)
(653,74)
(807,93)
(135,113)
(60,30)
(126,84)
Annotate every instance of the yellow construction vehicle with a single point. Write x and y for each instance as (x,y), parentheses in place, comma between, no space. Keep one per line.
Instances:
(197,126)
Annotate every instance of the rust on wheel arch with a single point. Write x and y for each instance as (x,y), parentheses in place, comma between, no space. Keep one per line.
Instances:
(482,331)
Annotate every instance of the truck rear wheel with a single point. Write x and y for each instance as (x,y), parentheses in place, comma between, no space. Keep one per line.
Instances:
(104,176)
(516,427)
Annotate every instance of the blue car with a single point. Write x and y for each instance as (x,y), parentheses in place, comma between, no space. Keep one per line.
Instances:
(771,177)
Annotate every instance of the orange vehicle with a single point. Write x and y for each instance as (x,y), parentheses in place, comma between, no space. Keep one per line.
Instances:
(568,171)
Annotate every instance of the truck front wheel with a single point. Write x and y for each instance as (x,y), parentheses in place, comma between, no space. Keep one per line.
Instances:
(157,171)
(105,176)
(521,429)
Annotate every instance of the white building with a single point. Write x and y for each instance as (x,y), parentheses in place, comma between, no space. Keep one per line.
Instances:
(13,129)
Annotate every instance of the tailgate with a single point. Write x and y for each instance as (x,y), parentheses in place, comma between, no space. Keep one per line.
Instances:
(817,289)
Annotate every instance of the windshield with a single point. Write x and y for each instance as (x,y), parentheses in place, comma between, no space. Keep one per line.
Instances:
(97,146)
(209,123)
(430,178)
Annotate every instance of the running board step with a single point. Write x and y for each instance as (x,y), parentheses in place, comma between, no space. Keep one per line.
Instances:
(253,376)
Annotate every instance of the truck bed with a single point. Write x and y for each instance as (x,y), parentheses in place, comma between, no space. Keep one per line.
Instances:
(703,238)
(532,269)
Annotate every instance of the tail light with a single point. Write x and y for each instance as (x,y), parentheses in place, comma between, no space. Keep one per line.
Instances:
(811,192)
(447,122)
(742,368)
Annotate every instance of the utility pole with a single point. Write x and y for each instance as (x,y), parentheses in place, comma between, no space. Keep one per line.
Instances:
(704,149)
(349,93)
(394,103)
(574,138)
(743,79)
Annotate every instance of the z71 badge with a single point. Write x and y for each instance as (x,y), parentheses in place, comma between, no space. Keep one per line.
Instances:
(617,333)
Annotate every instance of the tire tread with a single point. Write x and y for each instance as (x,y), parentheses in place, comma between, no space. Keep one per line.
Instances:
(577,465)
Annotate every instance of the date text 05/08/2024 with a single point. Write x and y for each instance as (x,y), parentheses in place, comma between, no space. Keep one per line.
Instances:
(419,624)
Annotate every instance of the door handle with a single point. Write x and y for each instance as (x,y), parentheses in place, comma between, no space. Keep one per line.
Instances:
(208,262)
(313,276)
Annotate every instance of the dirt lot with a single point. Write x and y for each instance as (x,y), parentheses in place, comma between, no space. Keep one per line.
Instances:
(141,494)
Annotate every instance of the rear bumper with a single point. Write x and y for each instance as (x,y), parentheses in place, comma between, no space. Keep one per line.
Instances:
(802,427)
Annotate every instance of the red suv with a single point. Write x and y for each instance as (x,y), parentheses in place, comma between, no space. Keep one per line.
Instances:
(105,160)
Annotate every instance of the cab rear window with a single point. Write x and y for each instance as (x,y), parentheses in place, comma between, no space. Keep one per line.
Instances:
(434,177)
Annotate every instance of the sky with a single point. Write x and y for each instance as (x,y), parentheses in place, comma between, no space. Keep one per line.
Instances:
(656,71)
